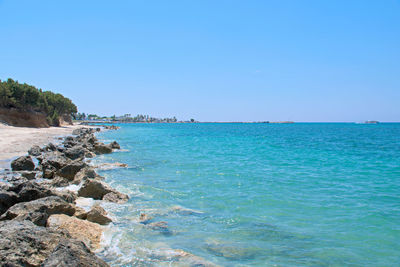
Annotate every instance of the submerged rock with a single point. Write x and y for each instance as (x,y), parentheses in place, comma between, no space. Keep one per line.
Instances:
(23,163)
(116,197)
(85,231)
(144,218)
(115,145)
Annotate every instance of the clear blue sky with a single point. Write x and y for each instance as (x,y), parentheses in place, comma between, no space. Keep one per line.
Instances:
(210,60)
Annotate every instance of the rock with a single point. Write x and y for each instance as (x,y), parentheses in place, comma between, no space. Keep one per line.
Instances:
(75,152)
(30,190)
(115,145)
(101,148)
(100,190)
(85,231)
(50,147)
(30,175)
(23,163)
(37,211)
(112,165)
(116,197)
(160,226)
(7,199)
(71,169)
(84,174)
(94,189)
(56,159)
(80,213)
(66,195)
(25,244)
(98,215)
(35,151)
(73,253)
(144,218)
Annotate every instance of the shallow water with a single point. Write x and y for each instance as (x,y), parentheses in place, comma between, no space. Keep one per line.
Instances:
(256,194)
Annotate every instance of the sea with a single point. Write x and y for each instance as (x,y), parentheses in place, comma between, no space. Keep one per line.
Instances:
(254,194)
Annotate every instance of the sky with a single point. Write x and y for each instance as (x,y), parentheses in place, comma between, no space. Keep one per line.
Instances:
(211,60)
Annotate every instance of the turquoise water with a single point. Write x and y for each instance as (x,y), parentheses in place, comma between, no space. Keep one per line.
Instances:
(257,194)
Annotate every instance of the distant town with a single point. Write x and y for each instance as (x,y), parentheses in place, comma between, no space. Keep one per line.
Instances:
(126,118)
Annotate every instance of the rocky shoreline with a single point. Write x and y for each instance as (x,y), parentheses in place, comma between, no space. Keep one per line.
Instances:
(41,223)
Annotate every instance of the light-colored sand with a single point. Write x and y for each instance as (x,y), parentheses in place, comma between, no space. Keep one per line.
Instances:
(16,141)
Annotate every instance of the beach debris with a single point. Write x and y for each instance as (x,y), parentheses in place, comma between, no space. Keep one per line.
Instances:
(24,163)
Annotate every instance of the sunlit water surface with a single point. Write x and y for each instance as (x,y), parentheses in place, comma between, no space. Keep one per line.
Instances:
(256,194)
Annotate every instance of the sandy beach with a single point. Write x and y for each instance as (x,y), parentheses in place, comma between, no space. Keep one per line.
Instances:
(16,141)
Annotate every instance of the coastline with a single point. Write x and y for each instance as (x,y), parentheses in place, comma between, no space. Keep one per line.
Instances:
(44,196)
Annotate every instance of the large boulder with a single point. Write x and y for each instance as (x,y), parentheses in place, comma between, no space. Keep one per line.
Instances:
(25,244)
(53,159)
(116,197)
(100,190)
(115,145)
(101,148)
(84,174)
(94,189)
(71,169)
(98,215)
(85,231)
(39,210)
(23,163)
(35,151)
(73,253)
(7,199)
(30,190)
(76,152)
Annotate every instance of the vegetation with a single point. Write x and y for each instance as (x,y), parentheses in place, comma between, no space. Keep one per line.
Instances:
(29,98)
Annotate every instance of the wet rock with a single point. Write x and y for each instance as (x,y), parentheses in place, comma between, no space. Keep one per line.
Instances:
(99,190)
(115,145)
(30,175)
(101,148)
(23,163)
(30,190)
(50,147)
(98,215)
(180,257)
(35,151)
(80,213)
(37,211)
(94,189)
(85,231)
(75,152)
(56,159)
(107,165)
(66,195)
(7,199)
(116,197)
(84,174)
(71,169)
(73,253)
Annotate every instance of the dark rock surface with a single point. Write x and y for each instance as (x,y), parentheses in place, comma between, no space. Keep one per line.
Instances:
(23,163)
(35,151)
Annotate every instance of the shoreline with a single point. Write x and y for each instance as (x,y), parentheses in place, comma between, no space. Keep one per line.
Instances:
(15,141)
(42,197)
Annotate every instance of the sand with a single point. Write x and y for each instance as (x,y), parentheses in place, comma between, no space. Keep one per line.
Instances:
(16,141)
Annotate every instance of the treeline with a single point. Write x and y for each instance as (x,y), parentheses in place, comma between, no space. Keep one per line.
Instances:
(29,98)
